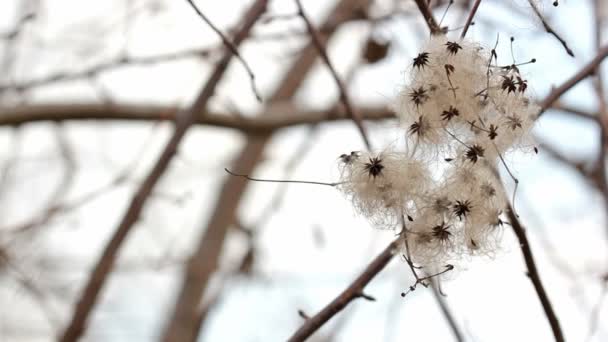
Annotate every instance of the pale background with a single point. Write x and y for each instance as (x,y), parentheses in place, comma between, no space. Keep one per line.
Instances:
(313,245)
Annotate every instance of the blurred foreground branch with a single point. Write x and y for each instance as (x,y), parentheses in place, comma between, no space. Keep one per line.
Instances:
(104,266)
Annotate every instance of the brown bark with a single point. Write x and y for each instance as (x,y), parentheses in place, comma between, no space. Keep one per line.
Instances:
(182,325)
(105,264)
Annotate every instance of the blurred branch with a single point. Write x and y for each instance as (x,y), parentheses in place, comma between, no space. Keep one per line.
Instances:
(548,28)
(183,122)
(428,17)
(534,276)
(470,18)
(574,111)
(352,292)
(61,189)
(231,47)
(445,310)
(16,31)
(595,312)
(275,117)
(314,35)
(578,165)
(182,325)
(28,284)
(27,11)
(589,69)
(599,174)
(122,61)
(68,206)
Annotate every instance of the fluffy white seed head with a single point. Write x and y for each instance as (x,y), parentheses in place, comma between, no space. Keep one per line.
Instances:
(461,112)
(457,92)
(382,186)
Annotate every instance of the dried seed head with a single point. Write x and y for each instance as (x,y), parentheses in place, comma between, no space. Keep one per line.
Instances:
(419,96)
(462,208)
(421,60)
(453,47)
(374,167)
(474,152)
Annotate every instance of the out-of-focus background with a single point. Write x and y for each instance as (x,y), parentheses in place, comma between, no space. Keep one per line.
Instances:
(88,94)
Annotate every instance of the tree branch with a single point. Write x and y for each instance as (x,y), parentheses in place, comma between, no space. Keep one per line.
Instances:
(314,35)
(535,277)
(445,310)
(231,47)
(586,71)
(548,28)
(352,292)
(276,116)
(183,324)
(470,19)
(104,266)
(122,61)
(428,17)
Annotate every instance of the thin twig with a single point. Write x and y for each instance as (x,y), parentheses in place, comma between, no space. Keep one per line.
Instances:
(408,259)
(231,47)
(314,35)
(470,19)
(447,313)
(72,205)
(352,292)
(280,180)
(548,28)
(595,312)
(112,64)
(586,71)
(535,277)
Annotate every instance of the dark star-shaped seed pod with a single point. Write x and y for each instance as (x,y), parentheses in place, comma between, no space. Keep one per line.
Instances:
(487,190)
(349,158)
(508,84)
(522,84)
(422,60)
(462,208)
(513,122)
(474,153)
(418,96)
(441,232)
(442,205)
(492,134)
(453,47)
(452,112)
(374,166)
(449,69)
(418,127)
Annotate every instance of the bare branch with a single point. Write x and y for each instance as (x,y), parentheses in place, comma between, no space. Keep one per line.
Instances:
(112,64)
(230,46)
(535,277)
(314,35)
(203,263)
(548,28)
(445,310)
(106,262)
(580,113)
(586,71)
(470,18)
(276,116)
(595,312)
(353,291)
(428,17)
(278,180)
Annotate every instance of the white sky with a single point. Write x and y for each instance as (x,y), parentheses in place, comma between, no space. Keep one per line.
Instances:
(492,299)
